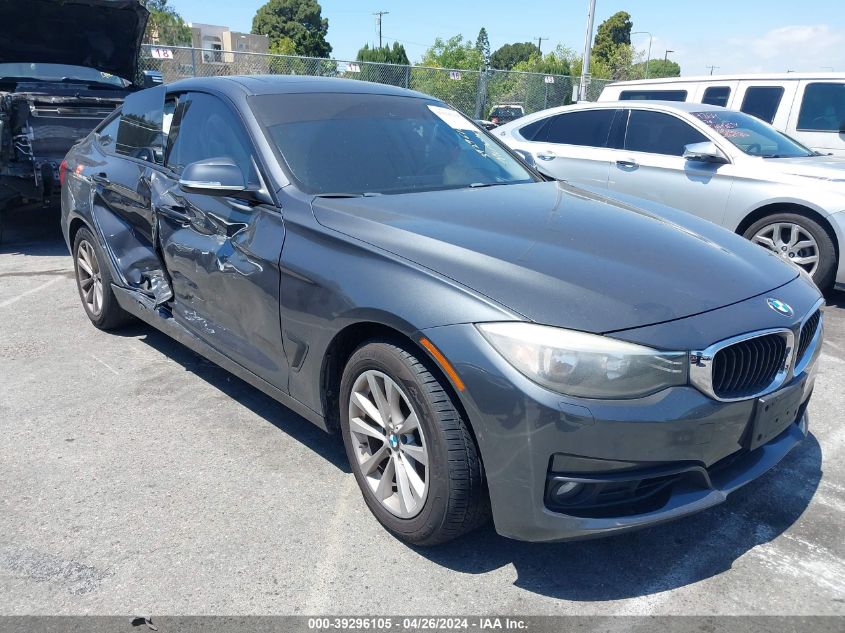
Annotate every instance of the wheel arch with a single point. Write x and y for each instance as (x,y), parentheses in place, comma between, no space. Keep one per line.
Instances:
(350,338)
(790,207)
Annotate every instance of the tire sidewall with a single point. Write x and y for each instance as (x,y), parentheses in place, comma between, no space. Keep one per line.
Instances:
(827,254)
(85,235)
(384,358)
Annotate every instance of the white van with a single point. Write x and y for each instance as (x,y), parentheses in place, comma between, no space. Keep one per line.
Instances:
(809,107)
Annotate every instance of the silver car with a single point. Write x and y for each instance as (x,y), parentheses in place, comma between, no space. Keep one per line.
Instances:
(722,165)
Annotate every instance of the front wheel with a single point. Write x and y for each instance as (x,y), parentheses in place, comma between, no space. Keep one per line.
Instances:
(411,451)
(800,240)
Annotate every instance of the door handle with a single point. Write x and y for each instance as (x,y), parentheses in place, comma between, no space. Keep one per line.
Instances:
(630,163)
(547,155)
(174,212)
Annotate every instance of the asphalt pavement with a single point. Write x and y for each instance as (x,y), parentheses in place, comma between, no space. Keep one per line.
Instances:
(136,477)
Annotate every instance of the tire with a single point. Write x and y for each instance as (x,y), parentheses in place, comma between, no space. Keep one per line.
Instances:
(455,498)
(88,257)
(825,269)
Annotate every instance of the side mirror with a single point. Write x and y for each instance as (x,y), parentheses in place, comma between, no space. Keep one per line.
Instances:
(213,177)
(526,157)
(705,152)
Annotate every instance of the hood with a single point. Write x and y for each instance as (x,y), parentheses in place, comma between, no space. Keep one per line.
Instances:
(565,256)
(101,34)
(829,168)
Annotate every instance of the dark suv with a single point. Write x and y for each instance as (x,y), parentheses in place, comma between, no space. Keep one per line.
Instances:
(64,66)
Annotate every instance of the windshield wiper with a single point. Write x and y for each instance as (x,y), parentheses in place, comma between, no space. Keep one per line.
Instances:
(481,185)
(366,194)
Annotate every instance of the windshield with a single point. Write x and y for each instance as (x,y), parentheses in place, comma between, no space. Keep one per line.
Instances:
(58,72)
(751,135)
(363,143)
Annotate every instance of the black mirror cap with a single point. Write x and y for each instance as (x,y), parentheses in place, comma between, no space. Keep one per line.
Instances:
(213,177)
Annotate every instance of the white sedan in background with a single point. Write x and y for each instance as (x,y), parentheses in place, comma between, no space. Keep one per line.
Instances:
(722,165)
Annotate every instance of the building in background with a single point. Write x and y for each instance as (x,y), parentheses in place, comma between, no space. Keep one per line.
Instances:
(219,43)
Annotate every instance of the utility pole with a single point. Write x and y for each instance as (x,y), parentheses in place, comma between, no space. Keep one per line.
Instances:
(712,68)
(648,56)
(666,54)
(540,43)
(588,40)
(379,15)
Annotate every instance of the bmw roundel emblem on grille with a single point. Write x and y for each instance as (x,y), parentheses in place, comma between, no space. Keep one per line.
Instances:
(780,307)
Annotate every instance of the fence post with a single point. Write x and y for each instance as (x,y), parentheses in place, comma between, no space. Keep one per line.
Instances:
(481,94)
(194,61)
(407,76)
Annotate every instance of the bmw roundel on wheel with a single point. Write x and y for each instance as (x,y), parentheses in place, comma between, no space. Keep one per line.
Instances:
(490,345)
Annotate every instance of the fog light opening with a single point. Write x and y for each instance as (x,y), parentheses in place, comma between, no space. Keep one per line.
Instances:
(565,490)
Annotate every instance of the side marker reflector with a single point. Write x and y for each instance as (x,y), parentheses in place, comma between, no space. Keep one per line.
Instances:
(444,364)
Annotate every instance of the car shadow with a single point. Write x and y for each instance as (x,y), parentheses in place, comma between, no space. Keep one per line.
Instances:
(652,560)
(329,447)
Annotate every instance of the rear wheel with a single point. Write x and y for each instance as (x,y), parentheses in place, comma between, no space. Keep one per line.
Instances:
(93,281)
(799,239)
(411,452)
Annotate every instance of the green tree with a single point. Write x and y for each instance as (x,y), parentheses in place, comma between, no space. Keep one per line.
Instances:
(509,55)
(453,53)
(386,54)
(166,26)
(613,33)
(298,20)
(657,68)
(482,45)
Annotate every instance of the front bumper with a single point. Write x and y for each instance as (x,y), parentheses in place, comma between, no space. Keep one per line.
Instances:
(696,448)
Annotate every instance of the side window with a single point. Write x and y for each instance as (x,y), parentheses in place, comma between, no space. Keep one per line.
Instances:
(533,131)
(653,95)
(139,134)
(717,95)
(589,128)
(659,133)
(822,108)
(762,102)
(207,128)
(107,132)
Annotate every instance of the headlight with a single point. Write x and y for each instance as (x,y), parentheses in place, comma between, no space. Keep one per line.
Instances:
(585,365)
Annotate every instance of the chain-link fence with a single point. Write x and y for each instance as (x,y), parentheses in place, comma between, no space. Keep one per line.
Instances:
(473,92)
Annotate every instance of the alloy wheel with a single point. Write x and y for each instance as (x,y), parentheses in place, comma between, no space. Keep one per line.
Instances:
(89,277)
(791,242)
(389,443)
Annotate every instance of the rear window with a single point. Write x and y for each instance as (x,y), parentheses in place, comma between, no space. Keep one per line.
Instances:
(653,95)
(506,112)
(589,128)
(762,102)
(822,108)
(140,134)
(717,96)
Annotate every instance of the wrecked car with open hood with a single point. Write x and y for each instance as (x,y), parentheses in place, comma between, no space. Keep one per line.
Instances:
(64,66)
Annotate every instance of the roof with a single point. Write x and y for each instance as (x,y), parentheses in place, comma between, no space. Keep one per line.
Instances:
(681,106)
(747,76)
(291,84)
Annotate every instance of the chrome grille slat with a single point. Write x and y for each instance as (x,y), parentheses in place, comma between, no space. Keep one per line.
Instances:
(807,332)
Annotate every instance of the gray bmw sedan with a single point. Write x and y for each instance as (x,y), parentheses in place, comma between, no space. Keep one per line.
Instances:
(485,342)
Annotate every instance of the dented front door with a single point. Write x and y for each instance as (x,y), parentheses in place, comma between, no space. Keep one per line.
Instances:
(221,254)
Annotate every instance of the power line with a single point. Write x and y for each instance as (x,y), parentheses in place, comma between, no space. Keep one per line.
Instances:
(379,15)
(540,43)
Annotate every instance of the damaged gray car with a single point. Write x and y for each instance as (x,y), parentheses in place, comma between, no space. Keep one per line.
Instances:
(64,67)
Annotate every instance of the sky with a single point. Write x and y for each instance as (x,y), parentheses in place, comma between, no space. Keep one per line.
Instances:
(737,36)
